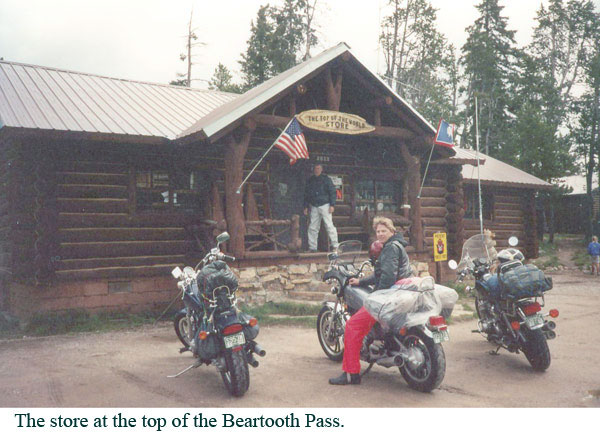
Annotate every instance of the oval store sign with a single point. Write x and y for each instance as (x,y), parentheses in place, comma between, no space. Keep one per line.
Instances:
(336,122)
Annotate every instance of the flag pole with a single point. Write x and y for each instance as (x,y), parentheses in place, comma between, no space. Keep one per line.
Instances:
(238,191)
(477,156)
(426,168)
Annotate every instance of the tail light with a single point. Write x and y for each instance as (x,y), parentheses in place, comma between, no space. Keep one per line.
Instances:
(553,313)
(437,321)
(252,322)
(202,335)
(532,308)
(403,331)
(232,329)
(515,325)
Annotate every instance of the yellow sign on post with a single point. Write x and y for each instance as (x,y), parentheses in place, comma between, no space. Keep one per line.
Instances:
(440,248)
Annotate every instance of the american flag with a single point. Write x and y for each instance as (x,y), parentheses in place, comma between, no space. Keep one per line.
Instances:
(292,142)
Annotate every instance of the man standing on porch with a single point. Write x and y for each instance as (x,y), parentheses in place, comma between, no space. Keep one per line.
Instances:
(319,197)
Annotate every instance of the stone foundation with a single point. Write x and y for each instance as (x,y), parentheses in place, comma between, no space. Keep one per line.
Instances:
(256,285)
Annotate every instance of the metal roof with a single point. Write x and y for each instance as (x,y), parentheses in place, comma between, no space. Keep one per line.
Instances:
(254,98)
(36,97)
(493,171)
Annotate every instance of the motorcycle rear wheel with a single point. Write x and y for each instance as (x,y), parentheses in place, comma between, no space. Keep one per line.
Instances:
(430,373)
(182,325)
(334,345)
(236,378)
(536,350)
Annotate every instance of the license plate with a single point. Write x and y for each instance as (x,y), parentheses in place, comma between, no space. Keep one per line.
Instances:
(234,340)
(441,336)
(534,321)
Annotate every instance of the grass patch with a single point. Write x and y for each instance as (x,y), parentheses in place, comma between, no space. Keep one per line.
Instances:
(460,288)
(72,321)
(548,262)
(581,258)
(295,314)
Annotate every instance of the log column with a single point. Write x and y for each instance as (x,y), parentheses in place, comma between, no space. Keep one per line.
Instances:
(333,90)
(235,151)
(456,212)
(413,167)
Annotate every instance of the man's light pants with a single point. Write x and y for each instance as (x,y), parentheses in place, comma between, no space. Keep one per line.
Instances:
(316,215)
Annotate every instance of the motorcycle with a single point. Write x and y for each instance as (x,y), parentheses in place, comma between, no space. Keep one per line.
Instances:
(415,350)
(509,300)
(211,326)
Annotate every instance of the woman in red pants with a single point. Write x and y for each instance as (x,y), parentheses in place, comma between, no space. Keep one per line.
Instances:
(391,265)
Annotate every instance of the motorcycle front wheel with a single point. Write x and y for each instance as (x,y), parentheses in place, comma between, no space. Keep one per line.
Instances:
(427,368)
(536,349)
(182,325)
(236,376)
(330,333)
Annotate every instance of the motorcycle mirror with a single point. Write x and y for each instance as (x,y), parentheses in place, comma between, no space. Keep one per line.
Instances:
(223,237)
(452,264)
(177,272)
(189,271)
(513,241)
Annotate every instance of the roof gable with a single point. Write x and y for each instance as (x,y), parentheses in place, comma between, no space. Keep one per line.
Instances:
(255,99)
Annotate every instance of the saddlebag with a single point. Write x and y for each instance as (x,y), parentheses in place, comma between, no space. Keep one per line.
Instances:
(524,281)
(208,348)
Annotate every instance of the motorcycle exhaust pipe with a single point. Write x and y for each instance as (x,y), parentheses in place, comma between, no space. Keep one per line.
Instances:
(549,325)
(252,361)
(259,350)
(390,361)
(550,335)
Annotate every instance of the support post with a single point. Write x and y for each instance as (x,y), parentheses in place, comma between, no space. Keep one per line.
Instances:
(235,151)
(334,91)
(413,166)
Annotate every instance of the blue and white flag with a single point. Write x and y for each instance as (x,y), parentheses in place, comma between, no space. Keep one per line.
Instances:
(445,134)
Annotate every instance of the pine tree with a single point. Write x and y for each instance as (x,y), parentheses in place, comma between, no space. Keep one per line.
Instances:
(256,64)
(279,38)
(420,64)
(222,80)
(487,57)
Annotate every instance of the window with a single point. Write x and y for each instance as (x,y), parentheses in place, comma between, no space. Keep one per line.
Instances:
(378,196)
(164,190)
(472,203)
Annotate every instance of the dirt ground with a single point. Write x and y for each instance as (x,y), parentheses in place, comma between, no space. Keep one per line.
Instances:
(129,369)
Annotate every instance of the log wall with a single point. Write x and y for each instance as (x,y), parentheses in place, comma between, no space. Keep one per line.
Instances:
(513,215)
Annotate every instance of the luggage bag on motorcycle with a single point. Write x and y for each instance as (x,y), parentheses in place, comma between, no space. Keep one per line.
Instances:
(209,347)
(524,281)
(214,275)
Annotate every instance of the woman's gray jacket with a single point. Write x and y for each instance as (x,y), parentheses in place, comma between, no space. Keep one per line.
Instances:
(393,264)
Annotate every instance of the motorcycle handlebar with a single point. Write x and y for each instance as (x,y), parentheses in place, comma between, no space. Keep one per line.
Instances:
(227,258)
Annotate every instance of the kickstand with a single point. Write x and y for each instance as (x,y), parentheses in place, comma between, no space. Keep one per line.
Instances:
(496,351)
(367,370)
(195,365)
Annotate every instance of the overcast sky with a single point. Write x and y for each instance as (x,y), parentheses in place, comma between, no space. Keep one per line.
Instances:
(142,39)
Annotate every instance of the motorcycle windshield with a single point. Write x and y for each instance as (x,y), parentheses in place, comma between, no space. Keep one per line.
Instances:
(480,246)
(349,250)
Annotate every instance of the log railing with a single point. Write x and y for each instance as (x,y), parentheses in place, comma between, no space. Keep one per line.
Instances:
(267,235)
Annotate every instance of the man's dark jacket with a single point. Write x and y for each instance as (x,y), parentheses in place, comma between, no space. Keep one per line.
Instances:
(319,191)
(393,264)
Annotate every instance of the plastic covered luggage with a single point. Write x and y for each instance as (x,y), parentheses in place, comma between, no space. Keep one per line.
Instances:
(397,307)
(524,281)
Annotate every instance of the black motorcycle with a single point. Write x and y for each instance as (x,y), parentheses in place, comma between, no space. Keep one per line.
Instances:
(415,350)
(508,299)
(211,326)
